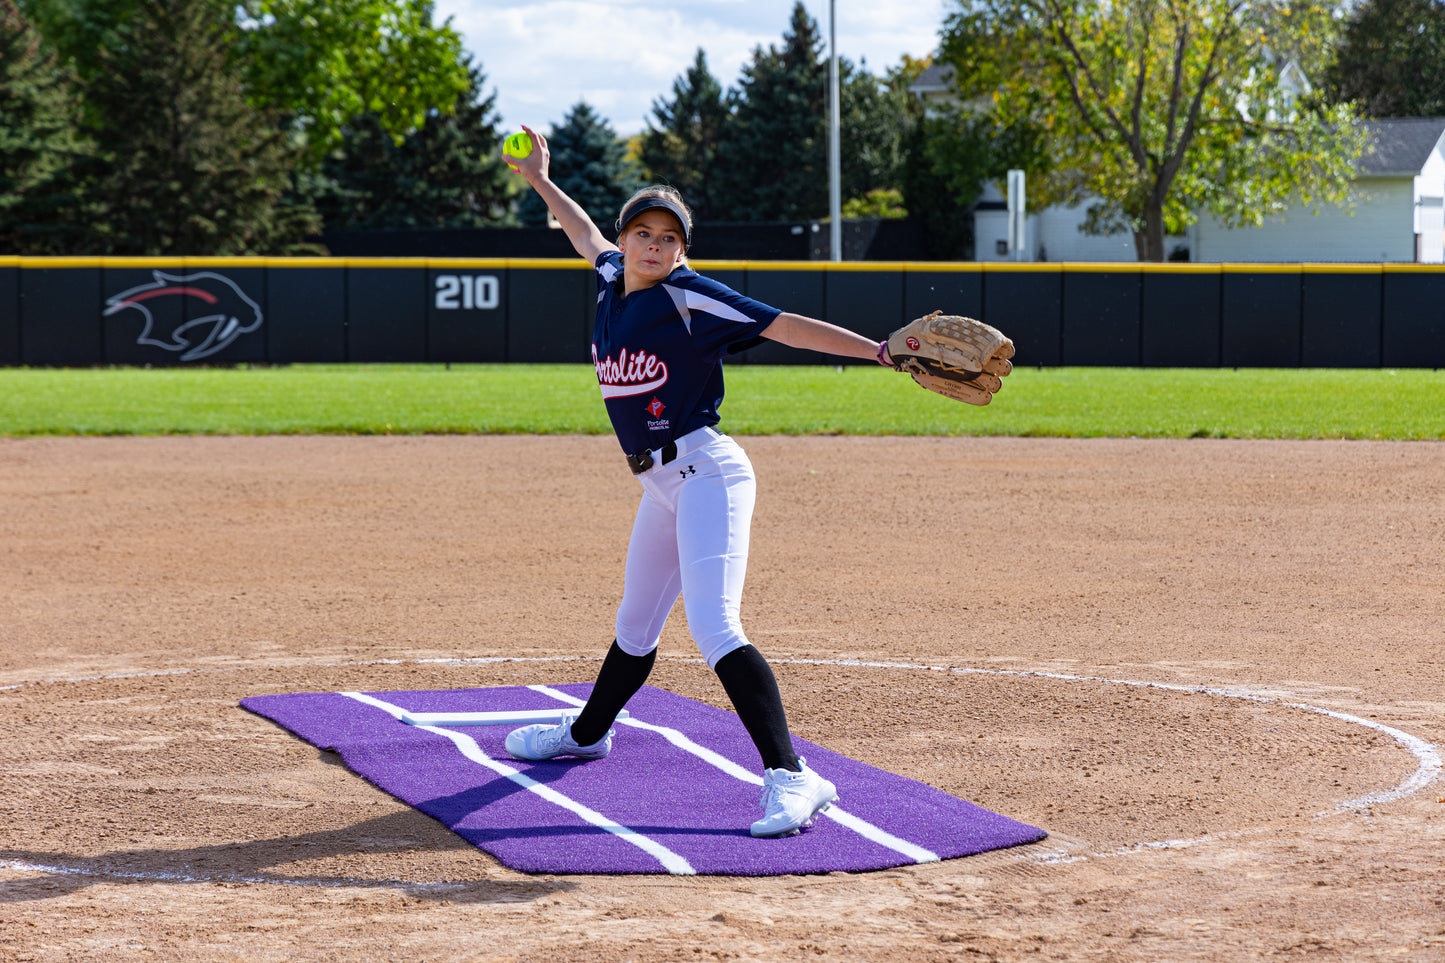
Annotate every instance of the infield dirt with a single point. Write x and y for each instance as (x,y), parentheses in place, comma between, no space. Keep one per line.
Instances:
(149,584)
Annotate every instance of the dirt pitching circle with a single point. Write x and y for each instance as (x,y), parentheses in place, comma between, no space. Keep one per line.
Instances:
(1333,748)
(1209,669)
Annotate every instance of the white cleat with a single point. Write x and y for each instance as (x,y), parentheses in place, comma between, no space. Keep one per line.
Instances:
(792,799)
(539,742)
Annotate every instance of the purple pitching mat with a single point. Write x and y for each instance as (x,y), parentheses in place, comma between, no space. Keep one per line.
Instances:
(677,794)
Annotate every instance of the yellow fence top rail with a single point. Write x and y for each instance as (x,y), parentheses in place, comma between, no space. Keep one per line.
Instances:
(573,263)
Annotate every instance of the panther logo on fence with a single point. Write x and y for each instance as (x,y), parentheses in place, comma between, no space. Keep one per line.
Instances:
(225,314)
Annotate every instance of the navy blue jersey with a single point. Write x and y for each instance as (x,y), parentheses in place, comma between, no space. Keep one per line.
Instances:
(658,352)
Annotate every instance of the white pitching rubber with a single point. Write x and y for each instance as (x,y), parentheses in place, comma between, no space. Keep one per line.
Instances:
(518,717)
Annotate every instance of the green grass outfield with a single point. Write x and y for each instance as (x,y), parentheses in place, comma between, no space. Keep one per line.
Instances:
(563,399)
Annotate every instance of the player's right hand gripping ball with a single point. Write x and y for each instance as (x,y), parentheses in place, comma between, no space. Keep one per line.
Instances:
(957,357)
(517,145)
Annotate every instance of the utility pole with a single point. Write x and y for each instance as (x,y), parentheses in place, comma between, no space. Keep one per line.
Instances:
(835,149)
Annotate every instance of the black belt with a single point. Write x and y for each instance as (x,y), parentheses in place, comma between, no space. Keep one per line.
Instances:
(643,460)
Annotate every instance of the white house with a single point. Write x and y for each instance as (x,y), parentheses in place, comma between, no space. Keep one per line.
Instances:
(1398,212)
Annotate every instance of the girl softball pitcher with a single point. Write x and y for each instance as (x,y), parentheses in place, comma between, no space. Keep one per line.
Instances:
(658,342)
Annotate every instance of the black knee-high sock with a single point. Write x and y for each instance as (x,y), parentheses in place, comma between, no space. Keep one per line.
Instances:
(753,689)
(619,679)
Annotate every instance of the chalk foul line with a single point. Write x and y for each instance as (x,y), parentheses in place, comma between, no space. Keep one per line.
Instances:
(162,876)
(1429,763)
(1428,770)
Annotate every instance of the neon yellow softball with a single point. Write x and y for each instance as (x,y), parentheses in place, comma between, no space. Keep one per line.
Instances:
(517,145)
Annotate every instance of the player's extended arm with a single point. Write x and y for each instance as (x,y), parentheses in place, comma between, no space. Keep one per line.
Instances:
(585,238)
(810,334)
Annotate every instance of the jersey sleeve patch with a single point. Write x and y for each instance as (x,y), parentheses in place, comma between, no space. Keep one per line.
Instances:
(689,301)
(609,266)
(716,316)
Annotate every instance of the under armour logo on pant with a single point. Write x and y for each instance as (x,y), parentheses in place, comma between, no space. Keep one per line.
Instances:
(687,471)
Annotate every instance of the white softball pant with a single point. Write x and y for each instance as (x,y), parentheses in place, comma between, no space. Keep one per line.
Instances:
(690,538)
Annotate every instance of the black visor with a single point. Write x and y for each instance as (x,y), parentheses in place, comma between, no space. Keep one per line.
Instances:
(629,214)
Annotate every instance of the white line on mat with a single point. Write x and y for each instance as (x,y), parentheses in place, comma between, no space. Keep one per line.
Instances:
(670,861)
(860,826)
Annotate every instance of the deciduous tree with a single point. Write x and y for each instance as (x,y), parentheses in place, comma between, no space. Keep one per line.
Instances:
(1151,111)
(1391,59)
(319,63)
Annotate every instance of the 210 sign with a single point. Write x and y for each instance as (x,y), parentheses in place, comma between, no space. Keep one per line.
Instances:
(468,292)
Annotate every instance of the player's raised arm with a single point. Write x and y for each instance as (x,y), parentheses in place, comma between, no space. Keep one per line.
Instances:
(586,239)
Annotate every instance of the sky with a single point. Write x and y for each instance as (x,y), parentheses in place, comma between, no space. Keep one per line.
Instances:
(543,56)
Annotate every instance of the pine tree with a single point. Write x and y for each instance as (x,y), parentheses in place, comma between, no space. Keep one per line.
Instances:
(39,206)
(186,165)
(680,149)
(455,166)
(590,164)
(357,183)
(772,158)
(449,173)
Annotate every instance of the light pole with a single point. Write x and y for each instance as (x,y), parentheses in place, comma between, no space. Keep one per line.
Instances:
(835,150)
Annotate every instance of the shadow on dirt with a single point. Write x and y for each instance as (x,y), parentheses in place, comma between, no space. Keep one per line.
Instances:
(250,862)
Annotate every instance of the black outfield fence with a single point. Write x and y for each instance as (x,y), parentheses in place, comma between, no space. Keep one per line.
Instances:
(176,311)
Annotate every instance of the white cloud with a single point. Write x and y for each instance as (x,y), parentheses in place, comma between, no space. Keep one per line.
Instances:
(542,56)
